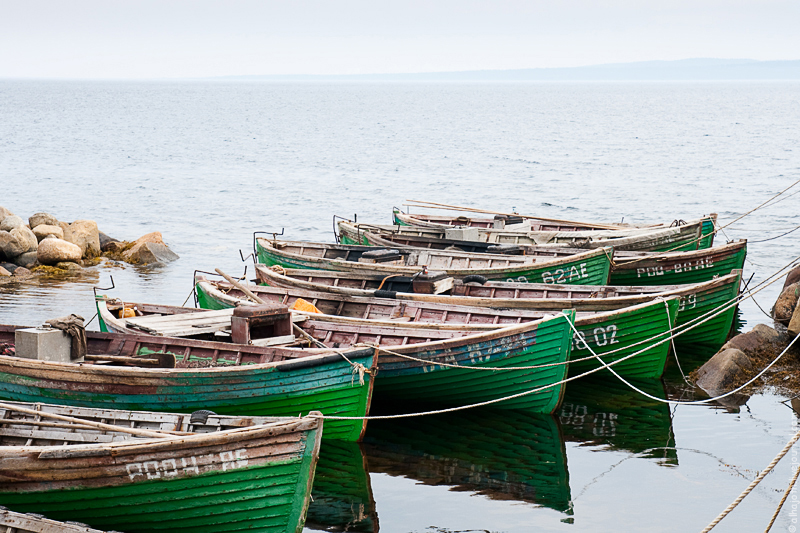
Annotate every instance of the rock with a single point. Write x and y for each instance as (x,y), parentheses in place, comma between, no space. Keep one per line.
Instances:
(8,245)
(66,265)
(11,267)
(11,222)
(4,213)
(42,218)
(153,252)
(794,323)
(4,273)
(115,247)
(725,371)
(784,306)
(86,236)
(138,243)
(26,239)
(43,230)
(792,277)
(67,231)
(52,251)
(27,260)
(21,271)
(762,343)
(105,240)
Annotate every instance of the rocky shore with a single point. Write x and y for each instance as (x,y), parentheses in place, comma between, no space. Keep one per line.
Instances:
(747,354)
(42,243)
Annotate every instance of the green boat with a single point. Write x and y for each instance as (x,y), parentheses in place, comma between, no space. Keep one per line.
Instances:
(503,455)
(591,267)
(678,267)
(223,377)
(660,239)
(158,471)
(614,335)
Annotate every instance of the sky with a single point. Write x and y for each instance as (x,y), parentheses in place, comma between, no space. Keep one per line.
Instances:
(204,38)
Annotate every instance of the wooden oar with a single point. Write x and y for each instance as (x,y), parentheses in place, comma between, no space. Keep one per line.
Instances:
(81,421)
(258,300)
(434,205)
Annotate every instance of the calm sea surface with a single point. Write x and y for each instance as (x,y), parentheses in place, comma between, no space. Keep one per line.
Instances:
(207,164)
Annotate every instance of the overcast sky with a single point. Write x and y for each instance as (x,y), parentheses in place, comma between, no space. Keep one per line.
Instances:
(198,38)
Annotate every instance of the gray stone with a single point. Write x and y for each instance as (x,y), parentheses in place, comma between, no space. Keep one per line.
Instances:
(26,239)
(42,218)
(11,267)
(760,344)
(86,236)
(11,222)
(7,243)
(52,251)
(27,260)
(43,230)
(153,252)
(784,306)
(105,240)
(138,243)
(725,371)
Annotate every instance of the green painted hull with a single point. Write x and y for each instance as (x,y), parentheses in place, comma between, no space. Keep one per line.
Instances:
(665,271)
(268,498)
(713,331)
(257,390)
(626,332)
(587,271)
(409,381)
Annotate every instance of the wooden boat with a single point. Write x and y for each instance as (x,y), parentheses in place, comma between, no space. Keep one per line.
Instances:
(589,268)
(142,471)
(628,268)
(223,377)
(678,238)
(515,343)
(698,301)
(616,334)
(507,455)
(11,522)
(520,223)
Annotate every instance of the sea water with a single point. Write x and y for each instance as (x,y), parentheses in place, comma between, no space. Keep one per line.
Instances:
(209,163)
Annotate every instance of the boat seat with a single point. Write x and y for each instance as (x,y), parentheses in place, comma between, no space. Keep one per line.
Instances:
(183,324)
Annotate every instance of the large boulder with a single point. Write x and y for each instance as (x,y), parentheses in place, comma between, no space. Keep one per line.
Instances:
(52,251)
(762,343)
(67,231)
(27,260)
(787,301)
(792,277)
(152,252)
(17,242)
(4,213)
(728,369)
(86,236)
(42,218)
(10,222)
(794,323)
(43,230)
(154,237)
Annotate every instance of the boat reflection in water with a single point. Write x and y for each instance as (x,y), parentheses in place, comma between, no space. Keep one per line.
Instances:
(504,455)
(342,495)
(605,412)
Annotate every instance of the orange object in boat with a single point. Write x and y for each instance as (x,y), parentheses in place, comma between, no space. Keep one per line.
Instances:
(302,305)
